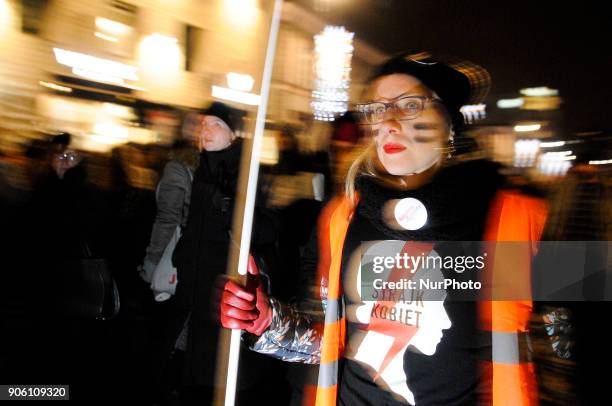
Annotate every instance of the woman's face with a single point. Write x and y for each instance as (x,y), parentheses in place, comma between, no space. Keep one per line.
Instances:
(408,146)
(215,135)
(64,160)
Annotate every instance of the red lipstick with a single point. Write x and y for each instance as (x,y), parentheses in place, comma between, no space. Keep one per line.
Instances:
(391,148)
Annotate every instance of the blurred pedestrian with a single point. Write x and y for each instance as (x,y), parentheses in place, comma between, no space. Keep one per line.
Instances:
(202,253)
(173,195)
(62,227)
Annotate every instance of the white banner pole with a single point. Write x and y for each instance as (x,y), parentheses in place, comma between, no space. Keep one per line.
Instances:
(247,224)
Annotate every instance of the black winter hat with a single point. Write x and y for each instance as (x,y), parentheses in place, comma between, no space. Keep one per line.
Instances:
(62,139)
(229,115)
(456,82)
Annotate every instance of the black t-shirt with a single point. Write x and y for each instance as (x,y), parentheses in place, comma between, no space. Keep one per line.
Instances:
(440,365)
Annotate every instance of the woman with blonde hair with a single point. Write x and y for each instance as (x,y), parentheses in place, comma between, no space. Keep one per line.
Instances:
(407,187)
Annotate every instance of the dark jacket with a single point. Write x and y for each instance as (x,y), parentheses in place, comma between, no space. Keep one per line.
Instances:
(173,195)
(202,252)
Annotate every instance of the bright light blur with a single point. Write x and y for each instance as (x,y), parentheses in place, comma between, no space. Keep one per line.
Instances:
(333,54)
(106,37)
(240,13)
(55,86)
(5,15)
(160,55)
(601,162)
(269,149)
(539,91)
(240,82)
(110,133)
(95,126)
(98,76)
(555,163)
(112,27)
(525,153)
(92,66)
(523,128)
(552,144)
(510,103)
(474,112)
(224,93)
(117,110)
(541,103)
(558,153)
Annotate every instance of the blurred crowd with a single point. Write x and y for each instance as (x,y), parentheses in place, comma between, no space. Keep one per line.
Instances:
(59,205)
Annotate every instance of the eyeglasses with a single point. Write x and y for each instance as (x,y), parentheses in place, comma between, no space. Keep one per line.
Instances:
(406,108)
(68,156)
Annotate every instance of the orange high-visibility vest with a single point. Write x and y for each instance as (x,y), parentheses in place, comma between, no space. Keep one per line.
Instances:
(513,217)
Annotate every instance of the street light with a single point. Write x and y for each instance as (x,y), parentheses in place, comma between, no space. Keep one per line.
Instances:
(333,53)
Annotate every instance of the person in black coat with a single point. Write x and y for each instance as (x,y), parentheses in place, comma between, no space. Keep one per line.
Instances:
(202,252)
(60,225)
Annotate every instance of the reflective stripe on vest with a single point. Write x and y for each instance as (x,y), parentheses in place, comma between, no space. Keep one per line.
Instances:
(328,374)
(512,217)
(510,348)
(336,219)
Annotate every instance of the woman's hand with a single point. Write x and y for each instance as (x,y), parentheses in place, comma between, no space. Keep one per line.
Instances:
(245,307)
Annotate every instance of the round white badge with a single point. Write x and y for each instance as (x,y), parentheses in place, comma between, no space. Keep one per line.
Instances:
(410,213)
(162,296)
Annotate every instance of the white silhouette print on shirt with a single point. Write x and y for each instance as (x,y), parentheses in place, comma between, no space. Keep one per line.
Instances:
(417,319)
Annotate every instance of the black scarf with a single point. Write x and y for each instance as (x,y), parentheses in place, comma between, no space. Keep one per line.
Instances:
(221,168)
(456,199)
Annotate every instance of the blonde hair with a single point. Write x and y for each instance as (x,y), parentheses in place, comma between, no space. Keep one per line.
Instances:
(367,164)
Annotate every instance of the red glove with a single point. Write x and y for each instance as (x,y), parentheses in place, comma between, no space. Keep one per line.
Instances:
(247,308)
